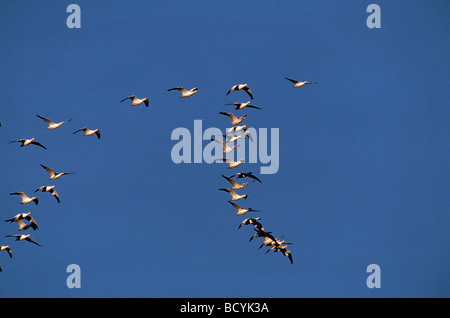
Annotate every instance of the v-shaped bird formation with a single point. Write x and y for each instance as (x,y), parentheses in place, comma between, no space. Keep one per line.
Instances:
(25,222)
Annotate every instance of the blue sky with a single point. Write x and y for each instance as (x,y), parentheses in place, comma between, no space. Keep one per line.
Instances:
(363,176)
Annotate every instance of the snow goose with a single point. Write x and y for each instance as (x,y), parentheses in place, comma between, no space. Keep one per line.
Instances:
(6,248)
(89,132)
(238,87)
(26,142)
(243,105)
(226,148)
(244,175)
(53,174)
(234,195)
(231,139)
(21,237)
(136,101)
(231,164)
(184,92)
(241,210)
(299,84)
(235,184)
(235,129)
(284,251)
(22,225)
(50,189)
(253,221)
(51,124)
(235,120)
(25,198)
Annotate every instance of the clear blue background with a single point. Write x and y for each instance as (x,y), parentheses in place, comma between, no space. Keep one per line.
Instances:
(364,155)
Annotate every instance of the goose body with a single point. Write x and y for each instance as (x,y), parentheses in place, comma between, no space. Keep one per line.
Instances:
(241,210)
(231,164)
(246,175)
(26,142)
(239,87)
(234,195)
(50,189)
(22,237)
(6,248)
(226,148)
(22,225)
(25,198)
(298,83)
(235,129)
(53,174)
(136,101)
(253,221)
(234,119)
(51,124)
(243,105)
(235,184)
(89,132)
(184,92)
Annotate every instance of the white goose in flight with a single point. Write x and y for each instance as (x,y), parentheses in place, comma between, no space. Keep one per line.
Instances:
(235,120)
(226,148)
(231,164)
(243,105)
(234,195)
(136,101)
(240,210)
(238,87)
(26,142)
(184,92)
(21,237)
(50,189)
(253,221)
(240,175)
(25,198)
(53,174)
(51,124)
(6,248)
(300,84)
(235,184)
(89,132)
(22,225)
(235,129)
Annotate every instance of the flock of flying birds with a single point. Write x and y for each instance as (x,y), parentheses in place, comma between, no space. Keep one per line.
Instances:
(25,221)
(231,136)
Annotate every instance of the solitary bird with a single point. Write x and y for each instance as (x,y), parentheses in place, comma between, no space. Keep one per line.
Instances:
(243,105)
(241,210)
(226,148)
(235,120)
(89,132)
(53,174)
(184,92)
(136,101)
(284,251)
(253,221)
(26,142)
(299,84)
(21,237)
(22,225)
(234,195)
(246,174)
(238,87)
(51,124)
(50,189)
(231,164)
(6,248)
(25,198)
